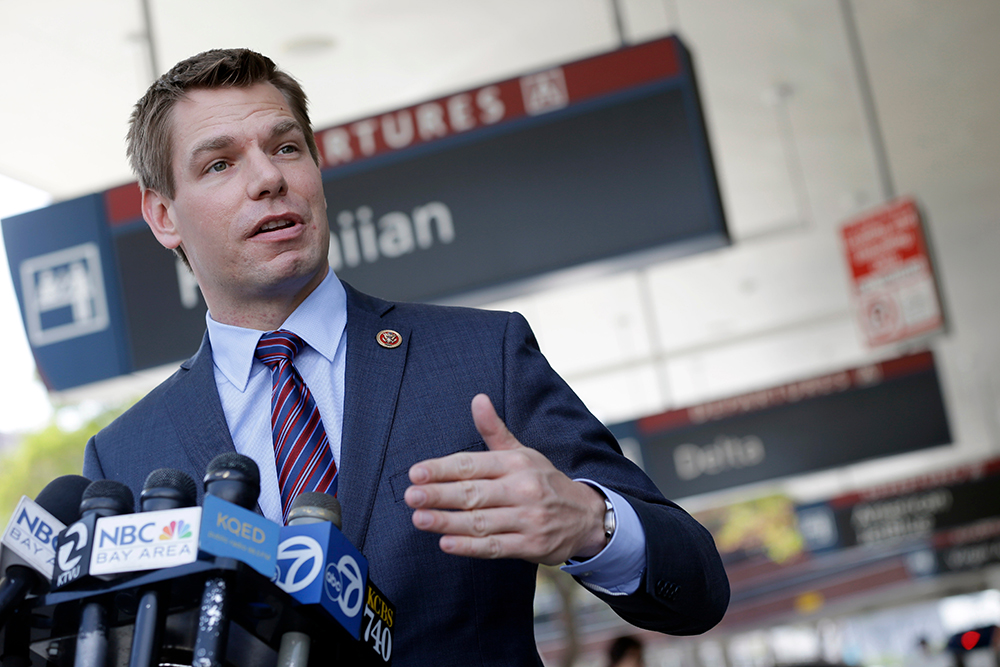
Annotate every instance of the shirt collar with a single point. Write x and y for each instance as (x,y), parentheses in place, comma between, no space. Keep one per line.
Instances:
(319,320)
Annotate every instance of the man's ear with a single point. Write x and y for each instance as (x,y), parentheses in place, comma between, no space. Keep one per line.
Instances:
(158,212)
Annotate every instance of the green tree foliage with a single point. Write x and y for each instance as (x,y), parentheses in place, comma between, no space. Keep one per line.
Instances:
(42,456)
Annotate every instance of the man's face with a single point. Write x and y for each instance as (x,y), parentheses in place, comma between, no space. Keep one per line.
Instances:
(248,207)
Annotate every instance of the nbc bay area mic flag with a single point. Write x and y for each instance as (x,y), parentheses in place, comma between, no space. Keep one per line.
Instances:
(145,541)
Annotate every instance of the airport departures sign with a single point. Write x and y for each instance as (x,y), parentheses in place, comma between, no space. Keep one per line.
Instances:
(604,160)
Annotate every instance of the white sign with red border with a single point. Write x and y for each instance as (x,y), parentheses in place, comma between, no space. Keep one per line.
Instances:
(895,293)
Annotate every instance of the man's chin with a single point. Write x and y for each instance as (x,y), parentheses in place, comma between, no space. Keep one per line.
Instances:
(290,275)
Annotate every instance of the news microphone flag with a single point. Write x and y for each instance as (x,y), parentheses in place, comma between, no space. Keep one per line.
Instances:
(30,537)
(380,617)
(231,531)
(167,538)
(318,565)
(74,546)
(145,541)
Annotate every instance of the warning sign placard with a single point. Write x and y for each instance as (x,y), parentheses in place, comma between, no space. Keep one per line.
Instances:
(893,282)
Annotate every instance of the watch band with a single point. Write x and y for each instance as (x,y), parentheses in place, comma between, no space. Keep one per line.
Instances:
(609,520)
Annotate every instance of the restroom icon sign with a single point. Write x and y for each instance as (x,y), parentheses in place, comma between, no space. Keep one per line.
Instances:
(64,294)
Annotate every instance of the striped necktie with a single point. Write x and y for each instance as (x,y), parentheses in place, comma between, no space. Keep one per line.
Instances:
(302,453)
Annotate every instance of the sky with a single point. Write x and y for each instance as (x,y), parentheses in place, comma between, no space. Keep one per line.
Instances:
(24,402)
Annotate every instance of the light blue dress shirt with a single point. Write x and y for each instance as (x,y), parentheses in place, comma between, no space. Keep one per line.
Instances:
(244,384)
(244,381)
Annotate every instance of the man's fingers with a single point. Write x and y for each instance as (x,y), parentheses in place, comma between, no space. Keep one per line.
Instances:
(490,426)
(472,465)
(507,502)
(494,546)
(460,466)
(505,545)
(461,495)
(474,523)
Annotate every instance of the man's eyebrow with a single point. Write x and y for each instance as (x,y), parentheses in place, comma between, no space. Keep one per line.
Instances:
(225,141)
(208,146)
(286,126)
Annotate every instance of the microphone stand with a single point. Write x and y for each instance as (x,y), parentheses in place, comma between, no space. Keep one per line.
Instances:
(310,507)
(102,498)
(234,478)
(164,489)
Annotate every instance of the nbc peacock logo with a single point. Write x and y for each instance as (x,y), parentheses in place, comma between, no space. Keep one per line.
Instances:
(180,530)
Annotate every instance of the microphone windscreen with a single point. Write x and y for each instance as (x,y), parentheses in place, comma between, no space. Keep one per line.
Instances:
(317,506)
(233,462)
(61,497)
(119,494)
(172,478)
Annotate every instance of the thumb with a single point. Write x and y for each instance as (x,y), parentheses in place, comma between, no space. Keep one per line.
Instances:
(490,426)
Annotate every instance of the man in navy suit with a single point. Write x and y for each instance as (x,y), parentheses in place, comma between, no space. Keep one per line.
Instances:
(463,460)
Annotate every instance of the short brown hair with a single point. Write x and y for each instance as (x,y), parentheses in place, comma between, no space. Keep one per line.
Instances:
(149,136)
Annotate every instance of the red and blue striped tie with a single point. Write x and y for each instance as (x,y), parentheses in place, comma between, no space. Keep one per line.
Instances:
(301,450)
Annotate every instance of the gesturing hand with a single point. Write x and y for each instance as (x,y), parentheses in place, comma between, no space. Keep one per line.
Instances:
(508,502)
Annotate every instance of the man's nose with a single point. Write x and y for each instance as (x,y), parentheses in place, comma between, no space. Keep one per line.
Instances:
(266,179)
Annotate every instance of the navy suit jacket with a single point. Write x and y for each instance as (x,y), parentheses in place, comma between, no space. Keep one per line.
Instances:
(411,403)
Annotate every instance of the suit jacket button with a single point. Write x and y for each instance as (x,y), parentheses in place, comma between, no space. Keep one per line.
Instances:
(666,590)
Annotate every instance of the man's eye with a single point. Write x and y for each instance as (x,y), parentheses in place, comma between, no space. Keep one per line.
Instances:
(288,149)
(218,166)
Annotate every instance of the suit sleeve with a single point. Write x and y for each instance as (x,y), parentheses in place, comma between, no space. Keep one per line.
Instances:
(91,463)
(684,589)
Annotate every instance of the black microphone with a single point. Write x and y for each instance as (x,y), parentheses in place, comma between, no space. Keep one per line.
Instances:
(164,489)
(106,497)
(26,556)
(236,479)
(75,544)
(168,489)
(62,497)
(307,508)
(29,528)
(102,498)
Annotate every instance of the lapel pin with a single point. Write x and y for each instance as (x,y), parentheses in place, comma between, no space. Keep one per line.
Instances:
(389,339)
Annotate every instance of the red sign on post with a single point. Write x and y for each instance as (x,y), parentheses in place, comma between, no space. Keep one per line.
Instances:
(893,282)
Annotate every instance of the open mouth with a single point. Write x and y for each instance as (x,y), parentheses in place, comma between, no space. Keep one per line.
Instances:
(275,225)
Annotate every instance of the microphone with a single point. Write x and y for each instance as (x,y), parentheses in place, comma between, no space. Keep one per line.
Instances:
(229,529)
(234,480)
(62,496)
(106,497)
(317,565)
(164,489)
(167,489)
(315,507)
(75,545)
(321,569)
(103,498)
(307,508)
(28,550)
(26,559)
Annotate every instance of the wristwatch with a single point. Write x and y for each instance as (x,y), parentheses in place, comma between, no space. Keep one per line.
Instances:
(609,520)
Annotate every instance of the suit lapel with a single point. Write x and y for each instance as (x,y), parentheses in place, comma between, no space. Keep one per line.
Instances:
(371,389)
(196,411)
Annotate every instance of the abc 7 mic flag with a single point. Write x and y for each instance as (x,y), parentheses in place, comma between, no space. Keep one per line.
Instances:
(318,565)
